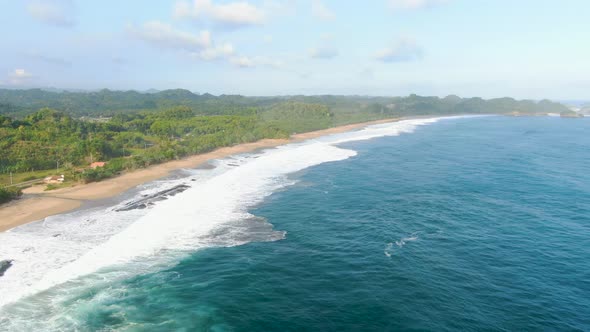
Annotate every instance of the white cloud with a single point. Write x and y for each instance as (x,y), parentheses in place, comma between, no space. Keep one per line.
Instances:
(165,36)
(268,62)
(216,52)
(321,11)
(257,61)
(18,77)
(20,74)
(53,12)
(405,49)
(280,8)
(325,52)
(414,4)
(242,61)
(233,14)
(198,46)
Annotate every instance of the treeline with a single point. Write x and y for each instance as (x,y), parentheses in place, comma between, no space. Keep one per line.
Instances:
(20,103)
(456,105)
(107,103)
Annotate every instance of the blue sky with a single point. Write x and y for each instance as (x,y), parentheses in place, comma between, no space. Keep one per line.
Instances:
(489,48)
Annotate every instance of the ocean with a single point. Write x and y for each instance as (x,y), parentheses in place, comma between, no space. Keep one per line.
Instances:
(463,223)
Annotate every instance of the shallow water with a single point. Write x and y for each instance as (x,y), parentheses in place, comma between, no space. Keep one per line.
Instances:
(463,224)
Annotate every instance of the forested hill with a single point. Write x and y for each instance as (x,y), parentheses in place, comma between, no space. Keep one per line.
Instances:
(107,102)
(20,103)
(41,130)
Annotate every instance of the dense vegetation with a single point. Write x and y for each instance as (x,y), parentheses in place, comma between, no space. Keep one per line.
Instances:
(50,138)
(42,130)
(8,194)
(107,103)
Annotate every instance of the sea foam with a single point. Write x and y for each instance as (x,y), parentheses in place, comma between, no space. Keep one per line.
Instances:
(212,212)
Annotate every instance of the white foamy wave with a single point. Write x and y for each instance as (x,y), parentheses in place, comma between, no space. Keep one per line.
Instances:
(388,248)
(216,203)
(388,251)
(402,242)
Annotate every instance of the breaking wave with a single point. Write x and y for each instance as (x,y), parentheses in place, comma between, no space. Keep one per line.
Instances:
(212,210)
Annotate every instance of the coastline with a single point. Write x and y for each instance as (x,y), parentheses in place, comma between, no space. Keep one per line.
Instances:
(42,204)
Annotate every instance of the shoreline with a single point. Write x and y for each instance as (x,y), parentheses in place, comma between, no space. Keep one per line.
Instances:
(42,204)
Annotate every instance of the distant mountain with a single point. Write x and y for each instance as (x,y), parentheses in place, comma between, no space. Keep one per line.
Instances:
(105,102)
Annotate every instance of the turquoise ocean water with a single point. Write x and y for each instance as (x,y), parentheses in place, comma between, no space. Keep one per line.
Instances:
(464,224)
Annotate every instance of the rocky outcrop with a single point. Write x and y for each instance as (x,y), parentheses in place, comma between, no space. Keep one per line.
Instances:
(149,200)
(5,265)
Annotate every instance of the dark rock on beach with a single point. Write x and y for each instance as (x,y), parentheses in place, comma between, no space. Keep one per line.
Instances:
(5,265)
(149,200)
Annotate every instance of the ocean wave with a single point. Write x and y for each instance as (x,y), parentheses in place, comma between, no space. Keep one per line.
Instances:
(388,251)
(402,242)
(212,211)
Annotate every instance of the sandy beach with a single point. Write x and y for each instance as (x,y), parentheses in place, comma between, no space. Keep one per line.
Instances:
(39,204)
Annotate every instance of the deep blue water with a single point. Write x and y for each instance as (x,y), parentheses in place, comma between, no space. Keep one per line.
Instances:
(465,224)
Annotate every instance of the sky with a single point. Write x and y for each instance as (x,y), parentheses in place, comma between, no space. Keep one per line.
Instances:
(490,48)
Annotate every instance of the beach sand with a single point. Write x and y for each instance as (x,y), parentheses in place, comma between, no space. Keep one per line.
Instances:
(39,204)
